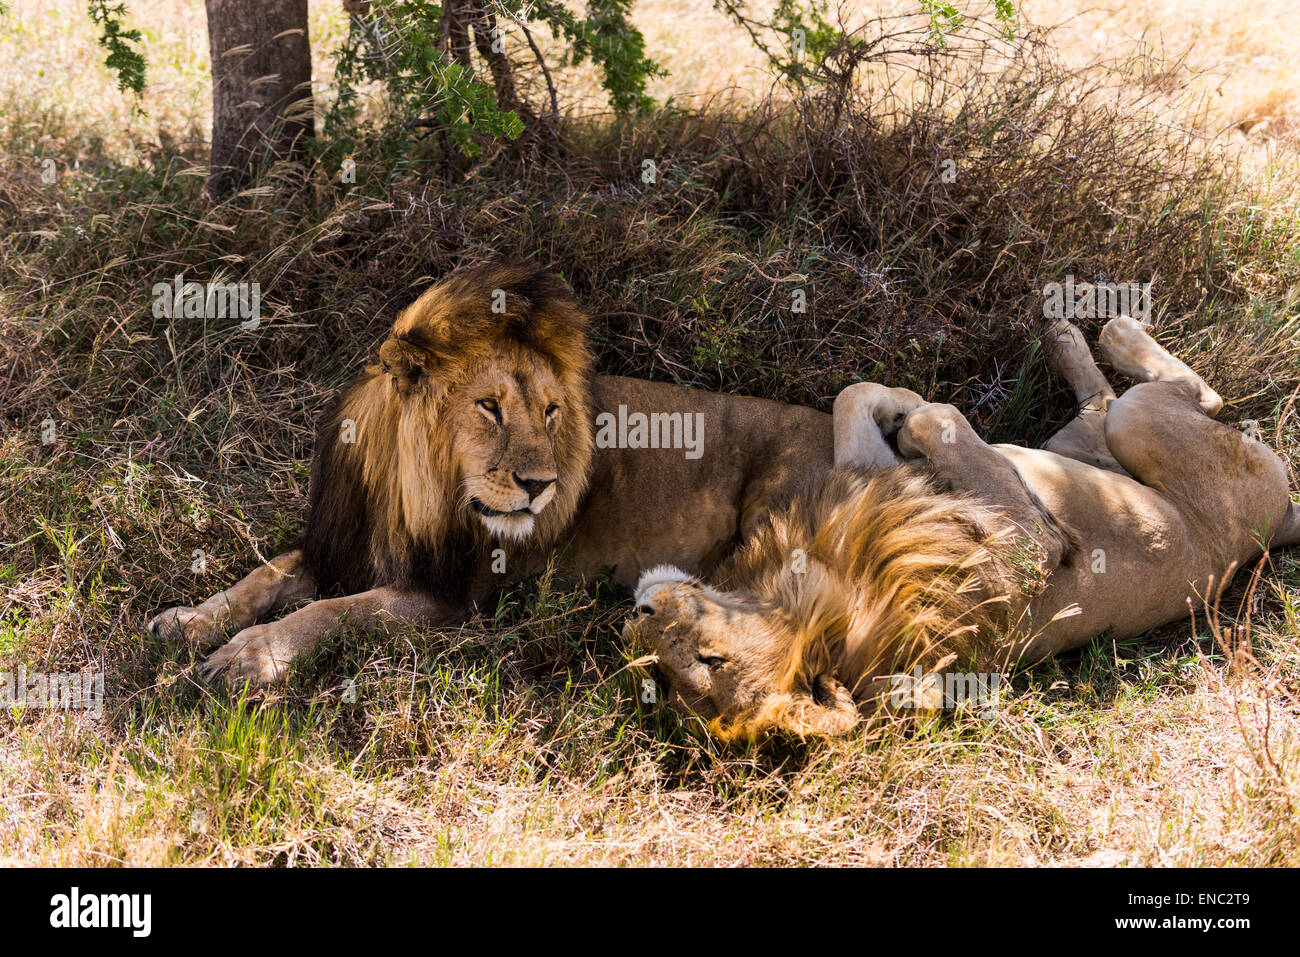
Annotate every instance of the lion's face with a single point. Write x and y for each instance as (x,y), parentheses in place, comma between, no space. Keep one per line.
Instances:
(725,658)
(708,644)
(478,412)
(506,423)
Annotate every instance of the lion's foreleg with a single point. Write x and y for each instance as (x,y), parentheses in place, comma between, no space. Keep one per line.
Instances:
(864,417)
(940,435)
(261,655)
(281,581)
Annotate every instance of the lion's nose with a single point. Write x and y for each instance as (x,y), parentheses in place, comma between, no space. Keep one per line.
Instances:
(533,486)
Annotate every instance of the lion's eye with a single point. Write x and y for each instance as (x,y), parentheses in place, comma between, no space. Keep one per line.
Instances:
(712,661)
(491,408)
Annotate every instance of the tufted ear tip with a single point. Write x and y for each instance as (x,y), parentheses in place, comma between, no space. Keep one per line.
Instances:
(660,575)
(832,711)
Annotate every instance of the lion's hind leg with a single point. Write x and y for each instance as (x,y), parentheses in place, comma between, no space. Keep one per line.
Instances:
(1071,359)
(280,582)
(1132,351)
(865,416)
(1083,438)
(1161,431)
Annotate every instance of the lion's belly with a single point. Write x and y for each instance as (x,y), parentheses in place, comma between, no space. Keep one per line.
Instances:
(1138,562)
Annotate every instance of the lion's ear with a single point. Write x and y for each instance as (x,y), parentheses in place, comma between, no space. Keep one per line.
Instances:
(824,710)
(408,362)
(827,709)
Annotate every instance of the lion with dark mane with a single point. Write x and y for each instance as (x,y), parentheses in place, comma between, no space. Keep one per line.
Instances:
(925,548)
(466,454)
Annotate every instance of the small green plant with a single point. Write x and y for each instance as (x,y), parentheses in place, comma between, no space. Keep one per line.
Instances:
(607,38)
(801,42)
(432,59)
(798,35)
(946,19)
(400,46)
(124,46)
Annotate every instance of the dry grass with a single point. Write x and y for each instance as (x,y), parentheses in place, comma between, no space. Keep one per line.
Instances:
(520,738)
(1241,54)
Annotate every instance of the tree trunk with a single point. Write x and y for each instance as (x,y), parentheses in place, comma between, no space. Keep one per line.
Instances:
(261,87)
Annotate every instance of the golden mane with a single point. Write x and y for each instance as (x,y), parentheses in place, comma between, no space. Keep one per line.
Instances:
(386,504)
(895,572)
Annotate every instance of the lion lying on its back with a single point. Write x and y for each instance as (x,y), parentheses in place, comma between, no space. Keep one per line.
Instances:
(959,550)
(468,450)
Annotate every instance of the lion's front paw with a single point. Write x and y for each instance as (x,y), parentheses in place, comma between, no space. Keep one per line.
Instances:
(254,657)
(192,626)
(931,430)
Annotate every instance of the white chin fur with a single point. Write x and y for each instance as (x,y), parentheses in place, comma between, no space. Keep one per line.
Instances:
(660,575)
(511,528)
